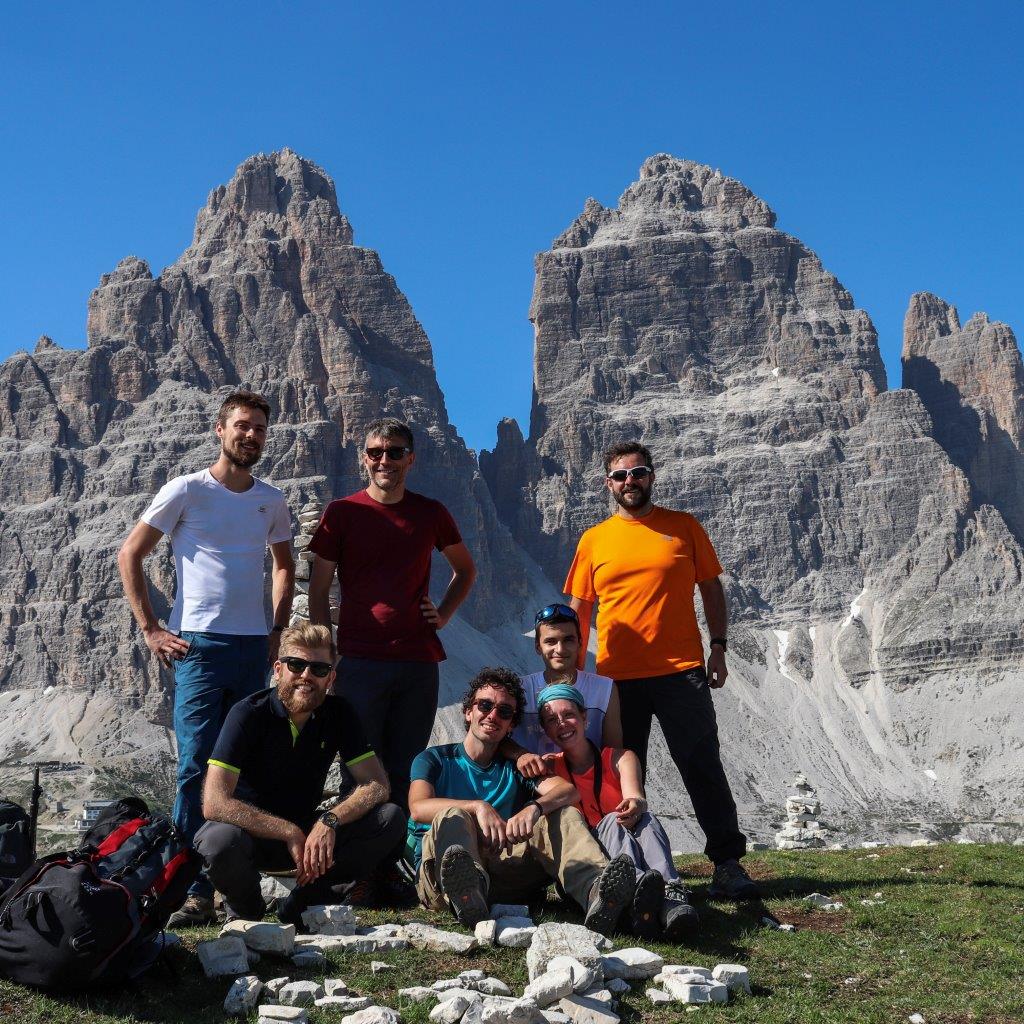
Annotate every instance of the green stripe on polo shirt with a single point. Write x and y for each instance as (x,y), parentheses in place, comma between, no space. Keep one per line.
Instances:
(295,732)
(229,767)
(361,757)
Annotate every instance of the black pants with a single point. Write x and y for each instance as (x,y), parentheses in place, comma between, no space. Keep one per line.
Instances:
(234,860)
(682,704)
(396,701)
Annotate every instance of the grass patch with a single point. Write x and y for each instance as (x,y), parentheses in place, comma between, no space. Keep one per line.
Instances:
(945,942)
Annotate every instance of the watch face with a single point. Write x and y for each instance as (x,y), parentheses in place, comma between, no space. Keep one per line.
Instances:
(328,819)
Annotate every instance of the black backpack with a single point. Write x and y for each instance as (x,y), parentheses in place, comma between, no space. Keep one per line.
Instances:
(15,843)
(93,915)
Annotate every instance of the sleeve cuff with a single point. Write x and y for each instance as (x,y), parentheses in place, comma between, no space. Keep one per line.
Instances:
(356,760)
(224,765)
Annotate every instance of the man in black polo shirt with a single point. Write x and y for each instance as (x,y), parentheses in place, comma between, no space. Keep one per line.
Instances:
(266,778)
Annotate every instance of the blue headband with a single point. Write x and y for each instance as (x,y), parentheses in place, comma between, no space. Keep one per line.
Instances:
(560,691)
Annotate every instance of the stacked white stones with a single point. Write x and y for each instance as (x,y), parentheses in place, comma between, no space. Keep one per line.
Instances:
(802,830)
(309,518)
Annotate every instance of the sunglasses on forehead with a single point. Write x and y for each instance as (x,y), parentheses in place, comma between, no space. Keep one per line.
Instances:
(321,669)
(485,706)
(620,476)
(393,451)
(555,611)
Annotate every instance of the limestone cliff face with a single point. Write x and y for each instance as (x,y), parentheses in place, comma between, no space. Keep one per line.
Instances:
(272,294)
(867,569)
(971,381)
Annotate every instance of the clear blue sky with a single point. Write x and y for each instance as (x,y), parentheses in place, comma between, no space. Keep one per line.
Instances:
(463,137)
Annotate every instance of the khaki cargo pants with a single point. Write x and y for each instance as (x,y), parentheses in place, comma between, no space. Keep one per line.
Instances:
(561,848)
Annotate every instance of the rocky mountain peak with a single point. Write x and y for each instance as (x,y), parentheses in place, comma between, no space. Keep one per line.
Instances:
(271,195)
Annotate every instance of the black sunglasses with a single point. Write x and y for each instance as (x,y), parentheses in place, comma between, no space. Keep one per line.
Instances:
(620,476)
(555,611)
(486,706)
(393,451)
(320,669)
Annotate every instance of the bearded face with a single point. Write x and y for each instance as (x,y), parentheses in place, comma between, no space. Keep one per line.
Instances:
(300,686)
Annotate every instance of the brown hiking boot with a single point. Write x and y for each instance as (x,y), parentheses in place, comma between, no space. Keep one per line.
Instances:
(194,913)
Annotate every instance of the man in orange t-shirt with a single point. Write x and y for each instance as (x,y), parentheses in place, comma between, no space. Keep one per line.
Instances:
(640,566)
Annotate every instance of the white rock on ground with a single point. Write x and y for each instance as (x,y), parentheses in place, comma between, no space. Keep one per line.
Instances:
(486,932)
(425,936)
(300,993)
(474,975)
(514,921)
(556,1017)
(351,943)
(682,969)
(345,1004)
(582,1010)
(293,1014)
(509,910)
(916,1018)
(310,960)
(492,987)
(634,964)
(498,1010)
(515,938)
(659,997)
(418,993)
(735,977)
(263,936)
(684,992)
(333,919)
(582,977)
(450,1011)
(376,966)
(275,889)
(550,987)
(335,987)
(374,1015)
(469,994)
(598,992)
(444,983)
(243,996)
(274,986)
(222,958)
(553,939)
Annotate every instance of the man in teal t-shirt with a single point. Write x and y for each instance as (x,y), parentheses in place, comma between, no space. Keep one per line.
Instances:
(479,831)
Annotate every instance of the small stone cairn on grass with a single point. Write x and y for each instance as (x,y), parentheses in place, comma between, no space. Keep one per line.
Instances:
(802,830)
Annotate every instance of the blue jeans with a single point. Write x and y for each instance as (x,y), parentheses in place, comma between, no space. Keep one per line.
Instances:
(218,671)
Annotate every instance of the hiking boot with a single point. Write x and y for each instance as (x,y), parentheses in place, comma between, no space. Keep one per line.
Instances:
(678,915)
(611,895)
(194,913)
(392,889)
(731,882)
(463,883)
(647,904)
(361,893)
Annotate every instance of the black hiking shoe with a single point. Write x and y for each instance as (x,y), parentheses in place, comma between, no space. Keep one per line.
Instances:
(462,882)
(648,898)
(731,882)
(392,889)
(678,915)
(611,895)
(194,913)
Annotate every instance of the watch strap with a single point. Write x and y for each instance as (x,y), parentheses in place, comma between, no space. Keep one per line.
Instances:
(720,640)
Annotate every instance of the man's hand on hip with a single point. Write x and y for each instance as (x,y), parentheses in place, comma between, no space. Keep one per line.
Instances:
(165,645)
(717,672)
(492,826)
(519,827)
(318,854)
(431,614)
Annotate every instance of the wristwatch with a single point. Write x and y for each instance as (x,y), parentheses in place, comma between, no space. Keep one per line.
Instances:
(330,819)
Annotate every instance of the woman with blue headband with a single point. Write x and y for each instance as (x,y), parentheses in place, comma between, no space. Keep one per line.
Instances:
(613,802)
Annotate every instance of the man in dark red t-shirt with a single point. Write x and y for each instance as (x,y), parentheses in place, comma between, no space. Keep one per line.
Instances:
(380,541)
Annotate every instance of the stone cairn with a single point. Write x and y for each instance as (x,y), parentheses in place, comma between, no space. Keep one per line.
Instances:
(802,830)
(308,517)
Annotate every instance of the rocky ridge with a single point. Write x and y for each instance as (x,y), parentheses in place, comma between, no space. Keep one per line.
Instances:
(873,565)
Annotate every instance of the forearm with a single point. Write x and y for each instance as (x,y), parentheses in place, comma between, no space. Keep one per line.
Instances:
(283,587)
(715,609)
(232,811)
(424,811)
(458,589)
(510,750)
(320,608)
(137,591)
(360,802)
(558,796)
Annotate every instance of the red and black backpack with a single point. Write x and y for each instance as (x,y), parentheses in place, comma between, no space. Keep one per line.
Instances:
(93,915)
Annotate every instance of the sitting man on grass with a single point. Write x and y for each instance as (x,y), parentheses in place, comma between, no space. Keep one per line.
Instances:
(479,831)
(266,777)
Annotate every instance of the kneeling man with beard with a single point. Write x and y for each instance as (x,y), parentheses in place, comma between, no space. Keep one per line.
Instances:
(266,778)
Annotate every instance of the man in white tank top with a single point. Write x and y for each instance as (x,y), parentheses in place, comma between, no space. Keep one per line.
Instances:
(557,640)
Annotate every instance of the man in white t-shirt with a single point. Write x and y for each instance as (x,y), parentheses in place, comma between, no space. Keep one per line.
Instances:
(220,522)
(557,640)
